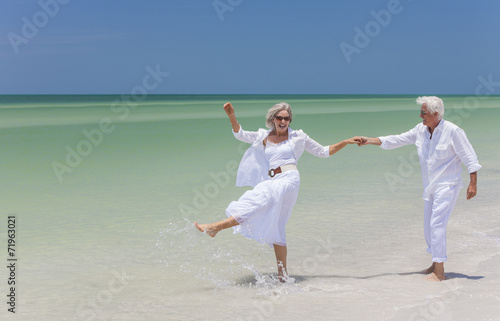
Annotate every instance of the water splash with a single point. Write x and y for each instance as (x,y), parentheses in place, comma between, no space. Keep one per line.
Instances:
(188,251)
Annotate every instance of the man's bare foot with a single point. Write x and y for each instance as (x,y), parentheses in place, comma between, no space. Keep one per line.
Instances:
(435,277)
(430,269)
(437,273)
(207,228)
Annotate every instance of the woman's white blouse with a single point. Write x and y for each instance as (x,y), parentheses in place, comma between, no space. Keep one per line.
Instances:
(254,167)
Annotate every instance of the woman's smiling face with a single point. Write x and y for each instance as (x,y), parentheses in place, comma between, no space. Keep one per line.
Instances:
(281,121)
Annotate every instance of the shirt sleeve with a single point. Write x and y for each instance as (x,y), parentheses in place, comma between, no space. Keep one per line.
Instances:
(316,149)
(395,141)
(245,136)
(464,150)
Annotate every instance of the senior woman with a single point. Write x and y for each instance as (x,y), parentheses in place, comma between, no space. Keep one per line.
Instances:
(270,167)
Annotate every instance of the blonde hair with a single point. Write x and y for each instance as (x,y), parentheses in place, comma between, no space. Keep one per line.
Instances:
(433,103)
(271,114)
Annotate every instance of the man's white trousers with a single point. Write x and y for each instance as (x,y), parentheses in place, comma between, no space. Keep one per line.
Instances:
(436,213)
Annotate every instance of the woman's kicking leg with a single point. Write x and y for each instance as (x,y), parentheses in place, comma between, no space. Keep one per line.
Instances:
(214,228)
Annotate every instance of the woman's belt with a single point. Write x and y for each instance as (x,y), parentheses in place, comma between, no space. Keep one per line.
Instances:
(282,169)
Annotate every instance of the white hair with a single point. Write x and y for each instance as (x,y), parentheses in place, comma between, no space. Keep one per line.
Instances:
(271,114)
(433,103)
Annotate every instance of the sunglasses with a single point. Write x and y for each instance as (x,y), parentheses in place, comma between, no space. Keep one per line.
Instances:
(287,118)
(423,113)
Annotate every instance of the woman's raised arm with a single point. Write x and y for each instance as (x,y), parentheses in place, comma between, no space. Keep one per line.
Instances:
(229,109)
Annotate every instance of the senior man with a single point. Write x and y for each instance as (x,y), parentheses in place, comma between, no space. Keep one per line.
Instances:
(441,147)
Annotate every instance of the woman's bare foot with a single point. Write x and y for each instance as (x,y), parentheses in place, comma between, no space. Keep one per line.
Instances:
(280,251)
(214,228)
(210,229)
(282,279)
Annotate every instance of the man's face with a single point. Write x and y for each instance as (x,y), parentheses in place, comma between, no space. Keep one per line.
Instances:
(428,118)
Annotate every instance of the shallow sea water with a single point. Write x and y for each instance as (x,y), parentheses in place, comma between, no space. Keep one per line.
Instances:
(105,195)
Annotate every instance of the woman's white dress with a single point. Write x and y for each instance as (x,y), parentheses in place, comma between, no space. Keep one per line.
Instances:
(263,212)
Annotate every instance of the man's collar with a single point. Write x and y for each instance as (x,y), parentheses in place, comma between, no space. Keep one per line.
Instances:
(440,125)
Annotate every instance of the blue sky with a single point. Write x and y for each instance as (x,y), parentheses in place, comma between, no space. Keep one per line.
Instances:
(248,46)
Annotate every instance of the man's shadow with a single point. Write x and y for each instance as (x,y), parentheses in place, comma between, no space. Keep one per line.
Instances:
(251,280)
(453,275)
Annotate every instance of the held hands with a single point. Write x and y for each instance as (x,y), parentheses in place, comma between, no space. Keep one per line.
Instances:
(368,141)
(355,140)
(336,147)
(362,141)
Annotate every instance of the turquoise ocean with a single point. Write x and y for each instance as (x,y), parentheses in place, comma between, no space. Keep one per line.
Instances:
(105,190)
